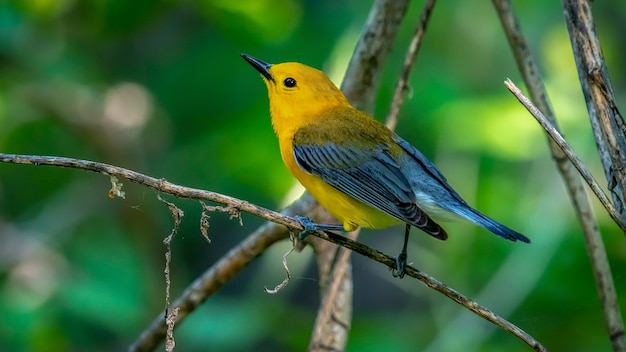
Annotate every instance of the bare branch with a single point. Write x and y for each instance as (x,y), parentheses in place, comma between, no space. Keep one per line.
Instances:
(560,141)
(370,53)
(409,59)
(238,257)
(433,284)
(606,121)
(160,185)
(582,205)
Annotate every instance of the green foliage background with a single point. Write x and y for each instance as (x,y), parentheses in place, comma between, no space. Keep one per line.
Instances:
(159,87)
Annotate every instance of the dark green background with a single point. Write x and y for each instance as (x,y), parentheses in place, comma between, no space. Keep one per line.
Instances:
(159,87)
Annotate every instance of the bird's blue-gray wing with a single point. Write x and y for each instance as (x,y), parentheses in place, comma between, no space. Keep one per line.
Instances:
(426,176)
(371,176)
(427,167)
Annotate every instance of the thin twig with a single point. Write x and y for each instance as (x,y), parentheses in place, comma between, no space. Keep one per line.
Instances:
(409,59)
(288,273)
(569,152)
(580,200)
(170,343)
(177,215)
(170,316)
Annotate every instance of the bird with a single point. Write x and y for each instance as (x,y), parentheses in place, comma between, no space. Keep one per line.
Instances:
(361,172)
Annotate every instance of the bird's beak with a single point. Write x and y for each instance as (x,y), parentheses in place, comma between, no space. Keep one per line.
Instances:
(262,67)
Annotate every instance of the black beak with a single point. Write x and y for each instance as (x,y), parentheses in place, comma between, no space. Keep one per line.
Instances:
(262,67)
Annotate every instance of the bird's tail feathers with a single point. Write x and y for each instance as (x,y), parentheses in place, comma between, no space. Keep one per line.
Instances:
(490,224)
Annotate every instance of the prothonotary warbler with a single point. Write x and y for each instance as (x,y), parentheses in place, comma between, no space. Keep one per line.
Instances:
(364,174)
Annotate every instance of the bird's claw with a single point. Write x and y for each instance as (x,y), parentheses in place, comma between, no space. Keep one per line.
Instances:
(310,227)
(308,224)
(400,266)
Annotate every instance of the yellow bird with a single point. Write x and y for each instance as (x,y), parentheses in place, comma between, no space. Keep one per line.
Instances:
(364,174)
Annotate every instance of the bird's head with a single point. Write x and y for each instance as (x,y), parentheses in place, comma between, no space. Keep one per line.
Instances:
(297,91)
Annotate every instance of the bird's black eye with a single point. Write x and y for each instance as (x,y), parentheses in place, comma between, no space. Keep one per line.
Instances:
(289,82)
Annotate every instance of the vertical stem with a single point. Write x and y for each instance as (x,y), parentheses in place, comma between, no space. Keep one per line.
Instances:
(607,122)
(360,84)
(610,135)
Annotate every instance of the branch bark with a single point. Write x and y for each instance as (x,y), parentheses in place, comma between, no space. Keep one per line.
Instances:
(606,121)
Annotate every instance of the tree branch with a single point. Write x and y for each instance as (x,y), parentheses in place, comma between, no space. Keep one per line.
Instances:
(363,74)
(569,152)
(238,257)
(160,185)
(434,284)
(582,205)
(409,59)
(606,121)
(334,316)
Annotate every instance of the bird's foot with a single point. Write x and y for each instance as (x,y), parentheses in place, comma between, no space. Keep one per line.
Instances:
(310,227)
(400,265)
(308,224)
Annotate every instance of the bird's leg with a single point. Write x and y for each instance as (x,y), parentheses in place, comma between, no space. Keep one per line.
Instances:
(401,258)
(310,226)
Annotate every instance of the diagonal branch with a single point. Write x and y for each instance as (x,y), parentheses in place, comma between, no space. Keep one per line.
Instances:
(434,284)
(238,257)
(160,185)
(582,205)
(569,152)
